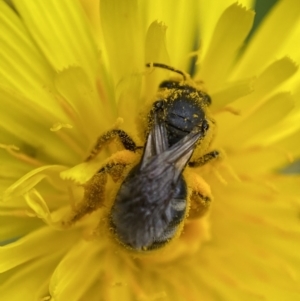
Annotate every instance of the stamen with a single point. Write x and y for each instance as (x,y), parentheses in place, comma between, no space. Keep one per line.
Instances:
(58,126)
(15,213)
(14,151)
(289,156)
(67,140)
(230,110)
(219,176)
(231,171)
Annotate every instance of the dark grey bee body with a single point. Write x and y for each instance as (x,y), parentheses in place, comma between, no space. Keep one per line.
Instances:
(151,201)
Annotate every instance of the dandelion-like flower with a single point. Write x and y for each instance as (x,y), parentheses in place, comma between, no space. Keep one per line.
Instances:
(71,71)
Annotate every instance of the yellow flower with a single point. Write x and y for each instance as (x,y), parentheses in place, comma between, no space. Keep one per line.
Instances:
(68,74)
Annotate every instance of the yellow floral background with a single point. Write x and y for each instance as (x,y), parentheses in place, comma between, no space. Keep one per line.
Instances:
(71,70)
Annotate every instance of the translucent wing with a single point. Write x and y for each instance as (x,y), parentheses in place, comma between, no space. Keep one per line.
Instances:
(157,141)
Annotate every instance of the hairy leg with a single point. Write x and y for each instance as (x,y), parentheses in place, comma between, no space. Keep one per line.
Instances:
(107,137)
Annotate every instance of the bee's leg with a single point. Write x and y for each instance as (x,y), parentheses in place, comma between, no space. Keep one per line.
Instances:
(199,195)
(93,198)
(107,137)
(204,159)
(94,189)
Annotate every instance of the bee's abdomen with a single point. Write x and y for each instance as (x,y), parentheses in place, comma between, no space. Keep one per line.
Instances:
(142,227)
(178,210)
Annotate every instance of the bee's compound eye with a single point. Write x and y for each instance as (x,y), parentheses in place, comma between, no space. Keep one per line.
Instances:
(158,105)
(169,84)
(205,126)
(207,99)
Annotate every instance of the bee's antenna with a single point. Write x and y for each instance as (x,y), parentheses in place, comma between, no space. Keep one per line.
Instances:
(163,66)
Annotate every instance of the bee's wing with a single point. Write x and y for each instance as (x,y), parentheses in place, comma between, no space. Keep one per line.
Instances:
(159,135)
(157,140)
(170,163)
(181,152)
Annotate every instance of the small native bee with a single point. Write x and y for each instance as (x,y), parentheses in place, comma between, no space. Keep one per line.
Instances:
(151,202)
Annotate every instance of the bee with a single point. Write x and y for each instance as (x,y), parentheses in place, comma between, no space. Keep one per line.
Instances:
(152,200)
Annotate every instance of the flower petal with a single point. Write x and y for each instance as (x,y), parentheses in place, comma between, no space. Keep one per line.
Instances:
(156,51)
(30,288)
(180,22)
(128,94)
(271,79)
(280,105)
(285,134)
(30,180)
(259,236)
(65,283)
(290,46)
(13,226)
(287,143)
(267,82)
(208,14)
(38,243)
(258,120)
(14,168)
(61,47)
(235,22)
(272,33)
(83,172)
(40,208)
(85,104)
(22,66)
(230,93)
(260,159)
(34,139)
(122,34)
(92,11)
